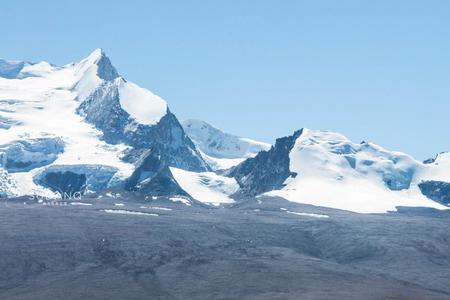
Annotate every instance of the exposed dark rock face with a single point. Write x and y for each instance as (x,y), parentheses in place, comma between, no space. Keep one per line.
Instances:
(106,70)
(67,183)
(429,161)
(69,179)
(436,190)
(433,159)
(153,175)
(266,171)
(103,110)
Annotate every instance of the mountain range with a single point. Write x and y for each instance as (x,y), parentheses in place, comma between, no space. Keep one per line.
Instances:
(83,128)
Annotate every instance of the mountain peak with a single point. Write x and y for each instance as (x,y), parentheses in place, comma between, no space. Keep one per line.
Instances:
(218,144)
(96,55)
(104,68)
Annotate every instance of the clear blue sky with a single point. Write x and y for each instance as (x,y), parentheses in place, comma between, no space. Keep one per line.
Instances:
(373,70)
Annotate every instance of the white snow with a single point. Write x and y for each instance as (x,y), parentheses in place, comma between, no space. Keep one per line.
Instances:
(221,163)
(221,150)
(25,185)
(39,69)
(181,200)
(157,208)
(308,215)
(206,187)
(119,204)
(325,176)
(112,195)
(128,212)
(80,203)
(85,73)
(141,104)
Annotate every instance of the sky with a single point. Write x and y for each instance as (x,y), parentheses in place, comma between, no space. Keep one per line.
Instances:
(373,70)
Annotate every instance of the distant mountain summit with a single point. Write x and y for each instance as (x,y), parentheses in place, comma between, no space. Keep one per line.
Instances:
(220,149)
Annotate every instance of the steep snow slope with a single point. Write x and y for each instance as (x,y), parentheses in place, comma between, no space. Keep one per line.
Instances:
(326,169)
(221,150)
(206,187)
(63,117)
(141,104)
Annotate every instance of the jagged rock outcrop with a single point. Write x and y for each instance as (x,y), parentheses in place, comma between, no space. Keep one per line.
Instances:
(153,175)
(436,190)
(267,170)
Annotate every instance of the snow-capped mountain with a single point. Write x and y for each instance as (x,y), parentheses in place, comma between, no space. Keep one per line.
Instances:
(84,128)
(82,125)
(326,169)
(221,150)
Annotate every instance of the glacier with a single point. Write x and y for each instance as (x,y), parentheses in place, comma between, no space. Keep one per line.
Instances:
(27,154)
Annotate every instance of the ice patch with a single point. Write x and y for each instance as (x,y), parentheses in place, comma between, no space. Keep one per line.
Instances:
(80,204)
(156,208)
(180,199)
(113,195)
(308,214)
(128,212)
